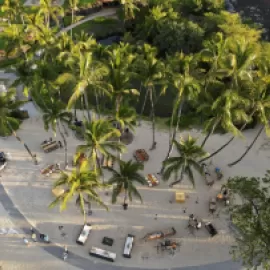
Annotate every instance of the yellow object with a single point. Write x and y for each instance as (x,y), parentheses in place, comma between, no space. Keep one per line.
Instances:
(58,191)
(220,196)
(180,197)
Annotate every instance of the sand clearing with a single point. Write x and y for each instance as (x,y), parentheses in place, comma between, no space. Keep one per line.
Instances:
(31,192)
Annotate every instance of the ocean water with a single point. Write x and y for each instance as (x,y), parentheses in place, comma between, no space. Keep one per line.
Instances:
(258,10)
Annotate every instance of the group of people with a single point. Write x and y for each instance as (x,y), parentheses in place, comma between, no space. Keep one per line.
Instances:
(45,238)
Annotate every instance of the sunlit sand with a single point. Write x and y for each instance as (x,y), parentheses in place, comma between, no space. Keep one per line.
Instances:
(31,193)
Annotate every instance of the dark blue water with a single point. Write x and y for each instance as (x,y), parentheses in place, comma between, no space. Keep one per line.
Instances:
(258,10)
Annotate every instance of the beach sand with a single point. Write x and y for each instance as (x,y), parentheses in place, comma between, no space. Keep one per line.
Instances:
(31,193)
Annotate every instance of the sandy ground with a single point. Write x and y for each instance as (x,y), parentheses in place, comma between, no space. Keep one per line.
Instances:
(31,193)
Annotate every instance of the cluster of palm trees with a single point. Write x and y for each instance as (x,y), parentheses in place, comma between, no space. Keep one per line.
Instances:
(227,82)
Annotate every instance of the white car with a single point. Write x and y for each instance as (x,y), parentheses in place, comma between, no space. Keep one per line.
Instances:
(83,236)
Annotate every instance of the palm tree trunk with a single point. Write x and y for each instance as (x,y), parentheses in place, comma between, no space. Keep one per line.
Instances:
(72,21)
(210,132)
(125,197)
(98,163)
(87,105)
(65,144)
(22,19)
(97,104)
(179,113)
(64,128)
(227,143)
(48,21)
(249,147)
(118,103)
(83,107)
(24,144)
(154,143)
(143,106)
(84,217)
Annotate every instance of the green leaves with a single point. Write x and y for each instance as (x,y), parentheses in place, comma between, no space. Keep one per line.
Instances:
(125,179)
(81,183)
(251,215)
(186,162)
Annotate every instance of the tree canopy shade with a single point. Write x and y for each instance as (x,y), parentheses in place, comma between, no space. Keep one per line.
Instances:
(250,213)
(100,139)
(186,161)
(83,184)
(124,180)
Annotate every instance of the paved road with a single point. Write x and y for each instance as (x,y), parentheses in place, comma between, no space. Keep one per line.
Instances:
(103,13)
(83,263)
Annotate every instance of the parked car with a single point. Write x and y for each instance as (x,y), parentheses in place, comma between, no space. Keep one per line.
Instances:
(84,234)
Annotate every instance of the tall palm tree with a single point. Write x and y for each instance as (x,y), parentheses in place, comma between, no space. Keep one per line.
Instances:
(186,161)
(129,8)
(125,179)
(187,88)
(152,71)
(54,114)
(119,62)
(73,5)
(48,10)
(227,108)
(257,95)
(8,124)
(8,8)
(100,140)
(83,184)
(240,62)
(84,72)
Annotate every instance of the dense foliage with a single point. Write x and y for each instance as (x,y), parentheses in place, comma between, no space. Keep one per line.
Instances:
(250,214)
(182,59)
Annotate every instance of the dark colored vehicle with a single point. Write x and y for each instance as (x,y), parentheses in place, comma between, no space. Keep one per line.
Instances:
(211,229)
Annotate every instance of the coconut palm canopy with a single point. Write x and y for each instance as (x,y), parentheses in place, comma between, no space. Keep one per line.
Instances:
(186,161)
(81,184)
(125,178)
(187,61)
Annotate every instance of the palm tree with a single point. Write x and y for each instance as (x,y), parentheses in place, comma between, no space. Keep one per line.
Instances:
(9,9)
(257,96)
(124,179)
(84,72)
(187,88)
(9,123)
(186,161)
(152,71)
(260,99)
(129,8)
(226,109)
(48,10)
(120,60)
(73,4)
(81,183)
(100,140)
(126,117)
(54,114)
(240,62)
